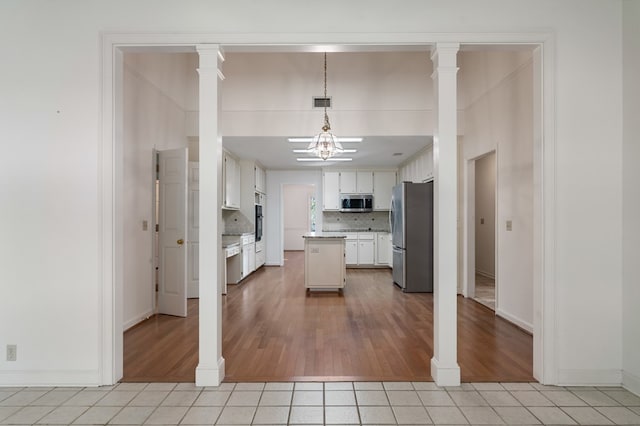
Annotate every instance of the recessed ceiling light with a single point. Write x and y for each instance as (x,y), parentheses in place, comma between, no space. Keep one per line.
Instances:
(308,140)
(396,154)
(320,160)
(303,151)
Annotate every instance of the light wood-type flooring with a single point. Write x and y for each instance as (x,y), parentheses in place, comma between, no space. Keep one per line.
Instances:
(486,291)
(274,331)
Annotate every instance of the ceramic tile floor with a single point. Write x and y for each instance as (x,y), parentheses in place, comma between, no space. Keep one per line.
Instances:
(330,403)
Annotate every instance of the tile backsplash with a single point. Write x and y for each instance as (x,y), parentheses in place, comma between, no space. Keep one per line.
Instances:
(236,223)
(336,221)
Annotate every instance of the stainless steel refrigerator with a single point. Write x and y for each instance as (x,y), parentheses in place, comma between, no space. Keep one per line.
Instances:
(411,220)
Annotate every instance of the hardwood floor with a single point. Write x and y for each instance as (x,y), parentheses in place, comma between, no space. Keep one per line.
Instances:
(274,331)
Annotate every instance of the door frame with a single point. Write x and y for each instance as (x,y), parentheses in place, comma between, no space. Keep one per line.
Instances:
(110,166)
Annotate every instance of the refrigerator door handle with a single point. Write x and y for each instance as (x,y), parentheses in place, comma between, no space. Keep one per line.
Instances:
(391,216)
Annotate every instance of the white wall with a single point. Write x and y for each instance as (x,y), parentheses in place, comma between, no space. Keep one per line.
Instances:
(502,120)
(52,208)
(274,228)
(296,214)
(485,215)
(151,119)
(270,94)
(631,197)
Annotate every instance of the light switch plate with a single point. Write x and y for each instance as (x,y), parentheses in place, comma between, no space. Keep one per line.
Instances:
(12,352)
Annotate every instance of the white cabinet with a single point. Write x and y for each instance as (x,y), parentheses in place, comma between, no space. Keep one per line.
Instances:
(331,191)
(324,263)
(379,183)
(260,179)
(247,242)
(383,183)
(231,182)
(366,249)
(260,254)
(364,182)
(351,249)
(383,249)
(348,182)
(356,182)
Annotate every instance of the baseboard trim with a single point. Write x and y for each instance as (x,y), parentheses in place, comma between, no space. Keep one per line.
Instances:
(59,378)
(631,382)
(136,320)
(517,321)
(445,375)
(210,375)
(485,274)
(593,377)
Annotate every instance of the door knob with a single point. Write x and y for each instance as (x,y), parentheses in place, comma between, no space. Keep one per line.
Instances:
(180,242)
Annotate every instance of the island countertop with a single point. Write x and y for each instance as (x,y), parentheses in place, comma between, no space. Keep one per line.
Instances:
(323,235)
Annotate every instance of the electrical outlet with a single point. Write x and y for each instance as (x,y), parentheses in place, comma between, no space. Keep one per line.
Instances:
(509,225)
(12,352)
(145,225)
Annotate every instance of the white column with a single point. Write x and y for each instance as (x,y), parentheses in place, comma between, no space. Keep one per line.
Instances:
(210,370)
(444,364)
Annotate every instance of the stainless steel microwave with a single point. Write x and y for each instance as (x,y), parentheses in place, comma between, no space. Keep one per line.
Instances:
(356,203)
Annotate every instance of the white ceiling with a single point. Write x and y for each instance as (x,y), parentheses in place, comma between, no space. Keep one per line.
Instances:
(373,151)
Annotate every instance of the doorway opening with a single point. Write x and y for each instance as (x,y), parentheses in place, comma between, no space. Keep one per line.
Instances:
(298,214)
(485,233)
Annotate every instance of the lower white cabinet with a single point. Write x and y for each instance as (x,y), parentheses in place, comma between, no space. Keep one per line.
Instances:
(351,252)
(260,254)
(366,248)
(383,249)
(248,245)
(324,263)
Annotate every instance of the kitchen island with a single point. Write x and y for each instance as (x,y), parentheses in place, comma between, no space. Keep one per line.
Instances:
(324,262)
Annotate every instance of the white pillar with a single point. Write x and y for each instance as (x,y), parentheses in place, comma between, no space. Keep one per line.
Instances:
(210,370)
(444,364)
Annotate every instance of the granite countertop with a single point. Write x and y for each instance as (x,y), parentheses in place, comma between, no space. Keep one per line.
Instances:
(357,230)
(236,234)
(227,245)
(323,235)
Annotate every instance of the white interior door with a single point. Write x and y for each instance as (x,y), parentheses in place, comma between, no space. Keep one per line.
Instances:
(172,234)
(193,223)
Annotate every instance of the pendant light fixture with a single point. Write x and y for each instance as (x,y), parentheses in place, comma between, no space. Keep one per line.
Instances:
(325,144)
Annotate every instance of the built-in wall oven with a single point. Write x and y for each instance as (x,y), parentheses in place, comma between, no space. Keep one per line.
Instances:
(258,222)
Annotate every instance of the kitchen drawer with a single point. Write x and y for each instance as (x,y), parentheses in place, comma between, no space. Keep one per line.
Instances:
(232,251)
(247,239)
(259,246)
(351,235)
(366,235)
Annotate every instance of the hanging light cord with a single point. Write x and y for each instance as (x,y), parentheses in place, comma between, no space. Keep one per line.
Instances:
(326,126)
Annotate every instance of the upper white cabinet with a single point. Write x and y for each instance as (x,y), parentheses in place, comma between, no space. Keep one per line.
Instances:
(383,183)
(380,183)
(348,182)
(252,188)
(231,182)
(331,191)
(260,179)
(356,182)
(364,182)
